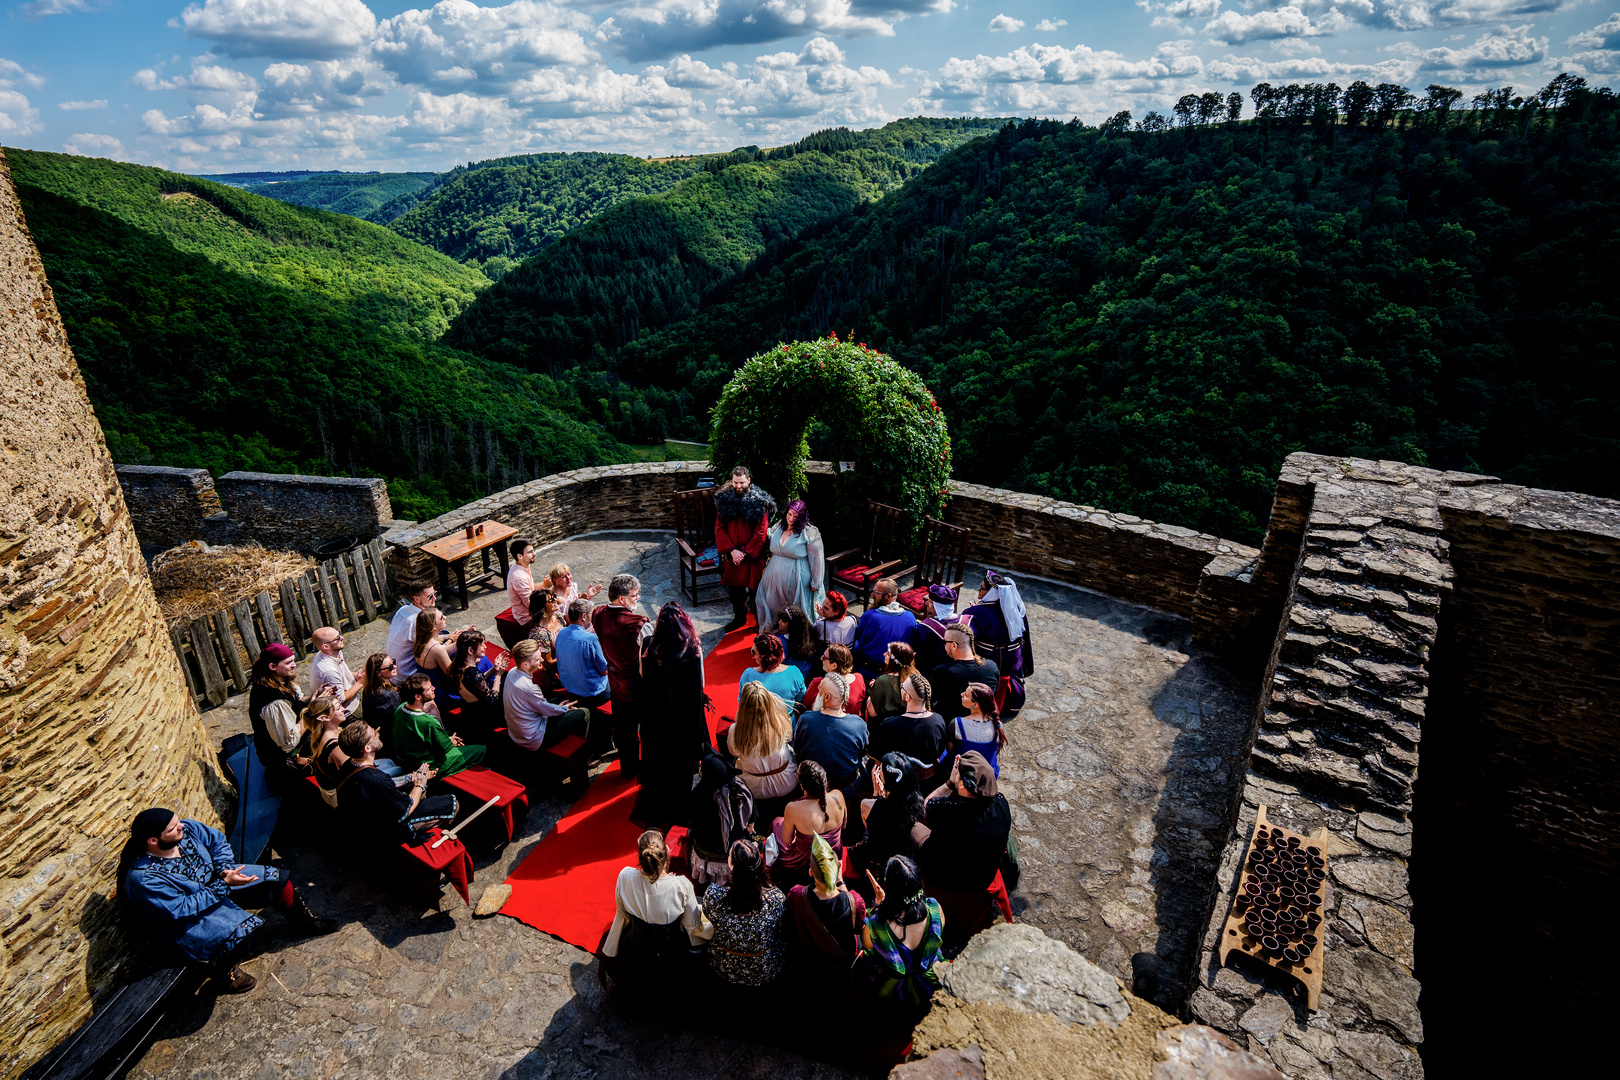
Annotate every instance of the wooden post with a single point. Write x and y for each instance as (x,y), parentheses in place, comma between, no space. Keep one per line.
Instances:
(178,638)
(345,591)
(227,643)
(362,584)
(379,567)
(312,611)
(202,647)
(244,623)
(329,597)
(290,616)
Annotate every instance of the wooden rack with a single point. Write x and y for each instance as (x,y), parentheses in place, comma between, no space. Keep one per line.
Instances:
(1236,935)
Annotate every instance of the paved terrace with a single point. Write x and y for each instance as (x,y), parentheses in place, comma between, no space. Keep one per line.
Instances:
(1120,772)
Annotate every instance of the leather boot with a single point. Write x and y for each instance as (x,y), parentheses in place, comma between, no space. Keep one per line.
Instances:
(232,979)
(304,921)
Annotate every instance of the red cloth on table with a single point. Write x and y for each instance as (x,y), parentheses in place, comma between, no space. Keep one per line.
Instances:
(478,785)
(449,857)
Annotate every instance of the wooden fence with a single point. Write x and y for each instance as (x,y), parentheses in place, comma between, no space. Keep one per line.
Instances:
(217,651)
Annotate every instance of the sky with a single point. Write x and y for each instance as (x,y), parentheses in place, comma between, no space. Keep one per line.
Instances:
(237,85)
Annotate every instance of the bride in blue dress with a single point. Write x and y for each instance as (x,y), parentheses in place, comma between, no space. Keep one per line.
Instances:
(796,572)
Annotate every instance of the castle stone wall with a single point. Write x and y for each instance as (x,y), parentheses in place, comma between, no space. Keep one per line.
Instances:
(170,506)
(303,512)
(98,723)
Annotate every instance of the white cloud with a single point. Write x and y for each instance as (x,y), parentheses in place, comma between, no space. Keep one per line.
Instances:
(1047,26)
(13,75)
(1006,24)
(1291,21)
(1511,46)
(282,28)
(456,45)
(651,29)
(1605,35)
(1193,9)
(89,144)
(17,117)
(80,106)
(42,9)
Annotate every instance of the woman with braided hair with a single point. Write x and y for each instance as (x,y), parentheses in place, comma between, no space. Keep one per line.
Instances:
(903,938)
(816,812)
(919,731)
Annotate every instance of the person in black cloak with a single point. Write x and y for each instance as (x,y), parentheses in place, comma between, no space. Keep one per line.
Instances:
(674,732)
(721,809)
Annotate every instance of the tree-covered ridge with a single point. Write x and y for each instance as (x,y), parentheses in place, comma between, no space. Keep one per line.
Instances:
(378,275)
(496,215)
(1149,321)
(360,195)
(647,262)
(921,140)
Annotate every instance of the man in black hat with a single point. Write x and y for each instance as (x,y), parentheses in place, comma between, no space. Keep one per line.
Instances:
(183,882)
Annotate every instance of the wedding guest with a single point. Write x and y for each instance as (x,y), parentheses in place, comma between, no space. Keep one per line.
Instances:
(327,669)
(749,945)
(969,822)
(978,730)
(380,697)
(832,737)
(380,810)
(826,915)
(884,622)
(893,816)
(772,671)
(1000,624)
(792,629)
(532,722)
(919,731)
(795,575)
(402,627)
(838,659)
(620,629)
(836,625)
(963,666)
(721,813)
(273,708)
(928,636)
(903,939)
(759,742)
(883,697)
(560,580)
(674,729)
(742,515)
(656,915)
(581,665)
(817,811)
(477,680)
(513,623)
(419,737)
(547,611)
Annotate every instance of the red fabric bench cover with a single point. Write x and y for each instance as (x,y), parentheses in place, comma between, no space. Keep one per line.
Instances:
(968,913)
(510,629)
(476,785)
(416,864)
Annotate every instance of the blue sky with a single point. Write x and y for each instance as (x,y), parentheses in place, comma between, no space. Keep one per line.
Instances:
(223,85)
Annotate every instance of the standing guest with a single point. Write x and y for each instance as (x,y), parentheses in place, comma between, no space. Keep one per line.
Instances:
(969,823)
(773,671)
(836,625)
(721,810)
(620,629)
(419,737)
(831,736)
(918,732)
(928,636)
(796,572)
(273,708)
(817,811)
(547,621)
(837,659)
(749,946)
(560,580)
(893,816)
(742,539)
(1001,626)
(798,640)
(329,670)
(826,916)
(978,730)
(759,742)
(656,916)
(883,698)
(532,722)
(963,666)
(513,623)
(478,681)
(883,622)
(402,627)
(385,813)
(581,664)
(674,730)
(379,699)
(904,938)
(181,879)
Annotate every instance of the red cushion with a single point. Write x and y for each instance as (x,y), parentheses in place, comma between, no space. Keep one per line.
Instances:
(858,572)
(507,615)
(914,599)
(566,748)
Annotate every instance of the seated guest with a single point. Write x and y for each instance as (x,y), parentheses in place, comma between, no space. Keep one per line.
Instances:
(749,946)
(656,917)
(759,742)
(722,809)
(816,812)
(418,736)
(320,723)
(560,580)
(513,623)
(773,672)
(883,698)
(979,729)
(581,663)
(380,698)
(383,812)
(838,658)
(963,666)
(826,916)
(918,732)
(547,622)
(893,816)
(832,737)
(798,641)
(402,627)
(883,622)
(928,636)
(836,625)
(434,657)
(182,880)
(532,722)
(968,823)
(327,669)
(478,681)
(273,708)
(904,938)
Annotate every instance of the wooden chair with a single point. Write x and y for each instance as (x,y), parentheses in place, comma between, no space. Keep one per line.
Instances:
(943,558)
(856,570)
(694,532)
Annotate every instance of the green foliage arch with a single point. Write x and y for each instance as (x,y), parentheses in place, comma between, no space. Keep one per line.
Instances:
(874,411)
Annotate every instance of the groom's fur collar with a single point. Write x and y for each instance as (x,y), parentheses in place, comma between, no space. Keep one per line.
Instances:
(750,507)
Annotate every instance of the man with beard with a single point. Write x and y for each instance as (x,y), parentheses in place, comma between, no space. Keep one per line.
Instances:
(741,536)
(927,638)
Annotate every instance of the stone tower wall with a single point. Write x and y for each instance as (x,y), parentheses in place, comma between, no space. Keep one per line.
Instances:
(96,719)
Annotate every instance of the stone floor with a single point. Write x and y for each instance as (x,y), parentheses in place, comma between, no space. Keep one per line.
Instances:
(1120,771)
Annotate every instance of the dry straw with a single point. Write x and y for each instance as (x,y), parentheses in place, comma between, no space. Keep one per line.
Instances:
(193,580)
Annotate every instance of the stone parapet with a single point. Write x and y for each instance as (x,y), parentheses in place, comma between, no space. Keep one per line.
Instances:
(303,512)
(170,506)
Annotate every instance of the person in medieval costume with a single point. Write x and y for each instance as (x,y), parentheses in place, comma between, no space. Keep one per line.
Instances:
(1001,627)
(796,574)
(742,537)
(927,638)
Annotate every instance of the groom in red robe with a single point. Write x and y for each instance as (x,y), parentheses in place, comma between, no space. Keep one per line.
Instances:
(741,536)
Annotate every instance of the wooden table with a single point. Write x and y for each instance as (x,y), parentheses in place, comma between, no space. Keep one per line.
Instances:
(455,550)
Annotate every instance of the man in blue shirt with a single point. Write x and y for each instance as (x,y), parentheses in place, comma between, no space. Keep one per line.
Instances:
(581,664)
(831,737)
(883,622)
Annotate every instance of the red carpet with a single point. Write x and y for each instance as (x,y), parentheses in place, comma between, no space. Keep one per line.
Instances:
(565,885)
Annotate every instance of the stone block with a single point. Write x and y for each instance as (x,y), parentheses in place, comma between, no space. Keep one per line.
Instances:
(1016,964)
(944,1064)
(1195,1052)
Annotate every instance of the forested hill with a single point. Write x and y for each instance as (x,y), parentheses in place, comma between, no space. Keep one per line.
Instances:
(222,330)
(1150,320)
(361,195)
(647,262)
(496,214)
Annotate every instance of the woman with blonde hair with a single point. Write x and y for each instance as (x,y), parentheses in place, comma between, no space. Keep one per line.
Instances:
(759,742)
(318,728)
(560,580)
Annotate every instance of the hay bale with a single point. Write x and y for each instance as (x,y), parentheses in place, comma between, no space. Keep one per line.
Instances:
(195,579)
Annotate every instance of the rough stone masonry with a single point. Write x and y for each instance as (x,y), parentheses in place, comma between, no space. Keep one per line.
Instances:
(94,712)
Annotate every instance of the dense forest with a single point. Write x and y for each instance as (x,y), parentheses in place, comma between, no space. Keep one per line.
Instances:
(361,195)
(646,263)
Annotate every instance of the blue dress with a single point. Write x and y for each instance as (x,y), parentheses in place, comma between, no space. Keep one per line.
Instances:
(961,744)
(796,574)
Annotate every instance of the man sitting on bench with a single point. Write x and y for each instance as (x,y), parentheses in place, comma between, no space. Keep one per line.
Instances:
(183,882)
(532,723)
